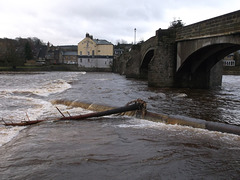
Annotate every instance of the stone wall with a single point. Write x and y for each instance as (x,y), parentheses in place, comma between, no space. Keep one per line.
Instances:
(231,70)
(134,62)
(129,63)
(162,68)
(119,63)
(151,43)
(221,25)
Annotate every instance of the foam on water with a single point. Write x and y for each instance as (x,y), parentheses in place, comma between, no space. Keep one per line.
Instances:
(40,110)
(8,133)
(28,108)
(33,107)
(49,87)
(18,100)
(55,86)
(179,130)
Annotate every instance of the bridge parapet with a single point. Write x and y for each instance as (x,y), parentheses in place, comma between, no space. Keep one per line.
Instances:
(222,25)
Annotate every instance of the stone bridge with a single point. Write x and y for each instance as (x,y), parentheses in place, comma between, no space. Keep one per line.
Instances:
(189,56)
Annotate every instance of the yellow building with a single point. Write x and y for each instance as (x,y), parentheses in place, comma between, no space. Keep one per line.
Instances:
(95,53)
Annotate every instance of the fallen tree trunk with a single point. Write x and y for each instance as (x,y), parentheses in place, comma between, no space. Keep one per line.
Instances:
(23,123)
(138,105)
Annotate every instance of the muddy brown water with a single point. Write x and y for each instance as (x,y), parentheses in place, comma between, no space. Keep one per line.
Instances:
(116,147)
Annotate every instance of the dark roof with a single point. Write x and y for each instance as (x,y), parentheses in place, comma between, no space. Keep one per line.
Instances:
(68,47)
(70,53)
(102,41)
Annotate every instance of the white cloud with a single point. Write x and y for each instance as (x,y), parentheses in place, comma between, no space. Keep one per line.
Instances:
(67,21)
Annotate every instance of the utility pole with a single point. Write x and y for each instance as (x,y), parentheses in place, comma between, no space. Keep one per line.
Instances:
(135,33)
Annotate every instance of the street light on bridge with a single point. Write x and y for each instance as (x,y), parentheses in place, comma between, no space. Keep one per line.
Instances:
(135,33)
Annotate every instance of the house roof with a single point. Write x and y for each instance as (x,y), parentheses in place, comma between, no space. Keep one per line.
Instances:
(69,47)
(70,53)
(102,41)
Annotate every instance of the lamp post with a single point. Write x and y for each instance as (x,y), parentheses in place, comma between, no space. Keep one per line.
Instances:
(135,33)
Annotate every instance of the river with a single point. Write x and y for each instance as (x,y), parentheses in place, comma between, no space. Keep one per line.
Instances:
(114,147)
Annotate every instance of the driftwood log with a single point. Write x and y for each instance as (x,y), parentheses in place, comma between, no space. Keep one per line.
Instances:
(22,123)
(137,105)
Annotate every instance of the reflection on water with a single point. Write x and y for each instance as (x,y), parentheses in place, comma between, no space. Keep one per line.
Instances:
(115,147)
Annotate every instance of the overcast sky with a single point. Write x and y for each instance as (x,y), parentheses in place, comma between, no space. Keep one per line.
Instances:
(65,22)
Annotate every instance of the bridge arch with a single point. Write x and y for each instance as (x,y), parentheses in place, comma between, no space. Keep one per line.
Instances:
(148,56)
(198,69)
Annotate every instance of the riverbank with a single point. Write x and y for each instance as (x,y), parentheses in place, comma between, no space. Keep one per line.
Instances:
(231,70)
(227,70)
(41,68)
(58,67)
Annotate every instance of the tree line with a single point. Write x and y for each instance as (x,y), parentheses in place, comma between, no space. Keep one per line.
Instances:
(15,52)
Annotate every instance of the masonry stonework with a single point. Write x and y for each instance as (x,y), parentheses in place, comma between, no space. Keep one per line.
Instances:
(162,67)
(185,57)
(222,25)
(134,62)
